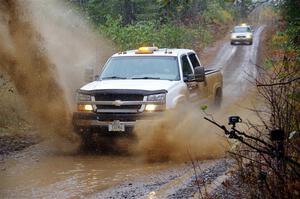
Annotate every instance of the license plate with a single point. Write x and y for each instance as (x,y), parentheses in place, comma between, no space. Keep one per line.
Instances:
(116,126)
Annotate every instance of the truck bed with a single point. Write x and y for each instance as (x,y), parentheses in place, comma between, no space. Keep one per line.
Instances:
(213,82)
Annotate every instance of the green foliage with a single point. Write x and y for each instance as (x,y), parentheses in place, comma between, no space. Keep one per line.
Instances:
(291,14)
(216,14)
(147,33)
(204,107)
(165,23)
(243,8)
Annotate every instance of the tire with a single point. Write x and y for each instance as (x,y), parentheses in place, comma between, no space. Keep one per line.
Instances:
(232,43)
(94,141)
(87,142)
(250,43)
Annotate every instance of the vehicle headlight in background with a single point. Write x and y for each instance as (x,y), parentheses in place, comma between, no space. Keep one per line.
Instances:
(83,97)
(85,107)
(157,98)
(249,36)
(233,36)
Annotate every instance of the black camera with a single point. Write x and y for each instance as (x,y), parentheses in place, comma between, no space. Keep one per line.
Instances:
(234,119)
(277,135)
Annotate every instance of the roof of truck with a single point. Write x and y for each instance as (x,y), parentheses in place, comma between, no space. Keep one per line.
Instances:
(154,52)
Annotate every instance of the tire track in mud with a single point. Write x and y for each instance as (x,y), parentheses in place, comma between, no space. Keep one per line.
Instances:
(201,180)
(174,183)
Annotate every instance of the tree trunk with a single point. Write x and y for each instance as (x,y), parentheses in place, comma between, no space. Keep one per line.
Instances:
(128,12)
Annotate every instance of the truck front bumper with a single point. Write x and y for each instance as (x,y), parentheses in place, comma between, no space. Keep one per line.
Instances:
(87,121)
(241,40)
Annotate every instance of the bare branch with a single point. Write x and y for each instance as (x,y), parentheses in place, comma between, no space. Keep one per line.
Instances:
(279,83)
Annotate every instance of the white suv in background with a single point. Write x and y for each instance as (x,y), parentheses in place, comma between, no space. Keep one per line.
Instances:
(242,34)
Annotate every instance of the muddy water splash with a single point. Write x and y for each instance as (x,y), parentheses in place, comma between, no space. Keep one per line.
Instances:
(180,136)
(40,71)
(183,134)
(70,43)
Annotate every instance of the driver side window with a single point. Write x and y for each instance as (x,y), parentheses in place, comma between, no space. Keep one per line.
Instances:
(186,67)
(194,60)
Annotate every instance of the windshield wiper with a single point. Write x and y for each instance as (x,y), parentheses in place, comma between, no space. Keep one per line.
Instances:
(114,77)
(145,78)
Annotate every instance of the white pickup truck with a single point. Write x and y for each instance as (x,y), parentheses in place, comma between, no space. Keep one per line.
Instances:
(139,84)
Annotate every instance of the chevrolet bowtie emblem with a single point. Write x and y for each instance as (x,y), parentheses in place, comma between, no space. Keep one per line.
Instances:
(117,103)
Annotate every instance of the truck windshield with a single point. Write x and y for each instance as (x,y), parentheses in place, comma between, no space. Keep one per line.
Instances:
(240,29)
(141,67)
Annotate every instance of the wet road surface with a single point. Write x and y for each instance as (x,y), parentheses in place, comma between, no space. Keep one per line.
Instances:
(38,172)
(237,63)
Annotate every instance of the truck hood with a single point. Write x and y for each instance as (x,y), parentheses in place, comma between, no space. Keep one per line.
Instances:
(147,85)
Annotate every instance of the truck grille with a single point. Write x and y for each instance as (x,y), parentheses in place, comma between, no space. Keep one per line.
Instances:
(111,108)
(122,97)
(119,107)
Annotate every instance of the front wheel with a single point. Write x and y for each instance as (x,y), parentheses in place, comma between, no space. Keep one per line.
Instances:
(87,142)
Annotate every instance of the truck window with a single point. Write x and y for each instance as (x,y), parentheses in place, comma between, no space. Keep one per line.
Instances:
(241,29)
(186,67)
(194,60)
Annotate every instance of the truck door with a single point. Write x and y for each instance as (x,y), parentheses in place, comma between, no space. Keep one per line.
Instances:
(201,86)
(188,73)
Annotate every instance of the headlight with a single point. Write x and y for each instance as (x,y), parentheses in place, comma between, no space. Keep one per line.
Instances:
(85,107)
(157,98)
(155,107)
(83,97)
(249,36)
(232,37)
(160,102)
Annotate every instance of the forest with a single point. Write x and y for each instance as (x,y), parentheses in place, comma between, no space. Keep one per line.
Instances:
(165,23)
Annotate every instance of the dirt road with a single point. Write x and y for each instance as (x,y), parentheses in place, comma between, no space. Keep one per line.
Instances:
(41,172)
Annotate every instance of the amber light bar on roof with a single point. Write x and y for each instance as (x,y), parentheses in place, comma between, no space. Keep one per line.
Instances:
(146,50)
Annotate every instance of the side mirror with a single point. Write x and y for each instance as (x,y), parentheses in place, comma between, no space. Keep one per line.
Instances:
(96,77)
(199,73)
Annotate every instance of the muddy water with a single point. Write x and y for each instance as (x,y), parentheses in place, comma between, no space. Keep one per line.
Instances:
(57,176)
